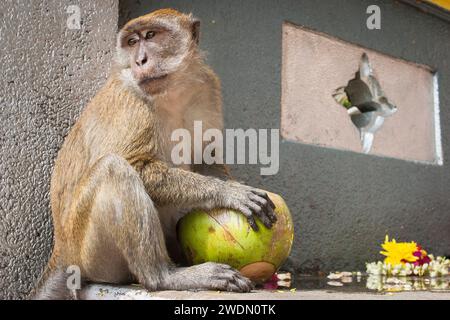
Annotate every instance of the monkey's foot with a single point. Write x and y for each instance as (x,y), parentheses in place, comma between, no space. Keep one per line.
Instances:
(208,276)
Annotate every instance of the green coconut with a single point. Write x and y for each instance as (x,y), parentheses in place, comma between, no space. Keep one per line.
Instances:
(225,236)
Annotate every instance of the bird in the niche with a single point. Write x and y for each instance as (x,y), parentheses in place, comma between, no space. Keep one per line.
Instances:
(365,102)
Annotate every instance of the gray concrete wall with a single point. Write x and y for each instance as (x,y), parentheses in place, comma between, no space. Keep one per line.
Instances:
(343,203)
(48,73)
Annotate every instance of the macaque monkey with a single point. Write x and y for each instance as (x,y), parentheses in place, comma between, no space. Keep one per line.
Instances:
(115,194)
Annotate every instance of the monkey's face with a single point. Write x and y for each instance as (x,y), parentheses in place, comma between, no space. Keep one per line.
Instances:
(153,48)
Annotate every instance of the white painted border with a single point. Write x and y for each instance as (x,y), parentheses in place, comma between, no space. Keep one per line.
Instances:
(437,121)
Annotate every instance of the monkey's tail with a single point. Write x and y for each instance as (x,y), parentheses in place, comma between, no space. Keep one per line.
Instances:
(53,283)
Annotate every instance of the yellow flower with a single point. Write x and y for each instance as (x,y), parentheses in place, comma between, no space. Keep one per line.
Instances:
(398,252)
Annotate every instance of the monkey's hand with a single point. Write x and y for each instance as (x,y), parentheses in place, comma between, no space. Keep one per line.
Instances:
(168,186)
(251,202)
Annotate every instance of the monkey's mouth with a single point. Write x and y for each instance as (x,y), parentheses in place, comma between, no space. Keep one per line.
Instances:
(147,80)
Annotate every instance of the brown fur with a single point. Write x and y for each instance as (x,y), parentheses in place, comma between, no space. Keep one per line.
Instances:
(115,194)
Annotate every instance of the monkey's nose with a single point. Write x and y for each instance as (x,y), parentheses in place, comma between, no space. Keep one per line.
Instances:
(141,61)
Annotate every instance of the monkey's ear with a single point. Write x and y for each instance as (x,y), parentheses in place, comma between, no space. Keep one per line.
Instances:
(196,31)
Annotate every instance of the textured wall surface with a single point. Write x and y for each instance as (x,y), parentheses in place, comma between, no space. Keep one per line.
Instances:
(343,203)
(48,73)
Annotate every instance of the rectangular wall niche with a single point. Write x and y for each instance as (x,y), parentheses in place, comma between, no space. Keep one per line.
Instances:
(404,117)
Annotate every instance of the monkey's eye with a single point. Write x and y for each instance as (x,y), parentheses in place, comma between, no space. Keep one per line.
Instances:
(150,35)
(132,42)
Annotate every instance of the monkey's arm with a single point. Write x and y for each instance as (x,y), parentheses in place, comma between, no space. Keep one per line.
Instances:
(220,171)
(168,186)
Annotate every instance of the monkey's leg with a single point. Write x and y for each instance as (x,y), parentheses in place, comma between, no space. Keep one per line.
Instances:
(123,233)
(207,276)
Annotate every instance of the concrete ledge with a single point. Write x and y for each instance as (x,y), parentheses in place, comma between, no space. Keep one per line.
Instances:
(108,292)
